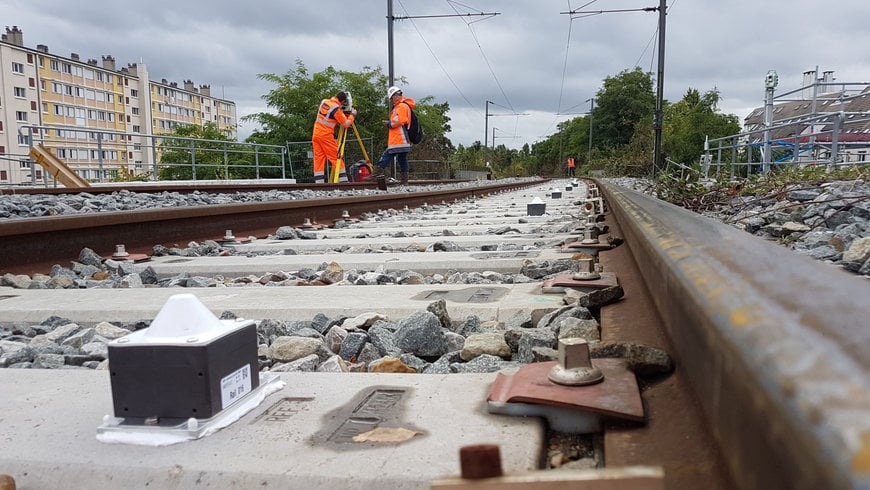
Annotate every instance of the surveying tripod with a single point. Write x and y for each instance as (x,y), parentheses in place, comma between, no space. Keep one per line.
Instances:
(342,142)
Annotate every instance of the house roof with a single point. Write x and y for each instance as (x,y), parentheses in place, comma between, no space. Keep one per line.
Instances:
(854,105)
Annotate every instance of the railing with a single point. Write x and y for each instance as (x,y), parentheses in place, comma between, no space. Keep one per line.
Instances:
(811,137)
(98,155)
(832,147)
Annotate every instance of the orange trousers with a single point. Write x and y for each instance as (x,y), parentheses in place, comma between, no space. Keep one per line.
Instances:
(326,148)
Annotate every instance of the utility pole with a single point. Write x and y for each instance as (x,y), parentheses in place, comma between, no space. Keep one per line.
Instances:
(660,88)
(390,18)
(591,109)
(660,84)
(486,125)
(391,75)
(770,82)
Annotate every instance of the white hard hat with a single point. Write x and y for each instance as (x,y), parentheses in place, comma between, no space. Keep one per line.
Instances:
(392,91)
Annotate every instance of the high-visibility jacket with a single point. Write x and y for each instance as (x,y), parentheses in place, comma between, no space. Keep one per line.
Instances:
(328,115)
(400,121)
(323,142)
(570,163)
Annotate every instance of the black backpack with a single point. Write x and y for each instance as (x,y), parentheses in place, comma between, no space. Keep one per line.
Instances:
(415,131)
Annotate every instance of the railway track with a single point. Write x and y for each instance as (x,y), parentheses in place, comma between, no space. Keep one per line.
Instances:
(35,244)
(770,388)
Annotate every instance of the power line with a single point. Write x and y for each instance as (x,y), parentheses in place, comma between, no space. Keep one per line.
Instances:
(565,64)
(482,53)
(453,82)
(651,39)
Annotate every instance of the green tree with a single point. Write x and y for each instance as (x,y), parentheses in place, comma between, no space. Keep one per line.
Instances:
(297,94)
(207,153)
(622,102)
(689,121)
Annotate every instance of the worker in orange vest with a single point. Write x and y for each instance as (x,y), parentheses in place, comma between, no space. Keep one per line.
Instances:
(571,166)
(398,144)
(329,114)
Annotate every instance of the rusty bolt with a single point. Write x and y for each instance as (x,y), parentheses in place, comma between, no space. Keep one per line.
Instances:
(480,461)
(575,365)
(586,270)
(7,482)
(120,251)
(228,235)
(588,239)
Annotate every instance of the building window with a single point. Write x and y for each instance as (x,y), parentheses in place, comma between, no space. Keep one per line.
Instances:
(17,67)
(20,116)
(20,92)
(135,129)
(31,81)
(23,139)
(1,129)
(30,58)
(4,175)
(2,150)
(134,93)
(134,111)
(55,65)
(32,105)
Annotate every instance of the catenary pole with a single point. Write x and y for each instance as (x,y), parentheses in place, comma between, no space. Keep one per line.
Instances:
(660,88)
(390,19)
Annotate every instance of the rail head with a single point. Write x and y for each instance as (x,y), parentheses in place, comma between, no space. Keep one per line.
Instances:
(776,345)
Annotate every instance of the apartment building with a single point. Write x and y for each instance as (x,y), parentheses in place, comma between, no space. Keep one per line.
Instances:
(95,117)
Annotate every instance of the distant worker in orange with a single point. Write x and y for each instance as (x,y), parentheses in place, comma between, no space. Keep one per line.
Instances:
(329,114)
(571,167)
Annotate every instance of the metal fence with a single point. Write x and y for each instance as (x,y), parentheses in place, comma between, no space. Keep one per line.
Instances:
(827,128)
(100,155)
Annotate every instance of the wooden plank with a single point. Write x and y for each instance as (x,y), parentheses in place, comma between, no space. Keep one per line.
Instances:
(59,170)
(628,478)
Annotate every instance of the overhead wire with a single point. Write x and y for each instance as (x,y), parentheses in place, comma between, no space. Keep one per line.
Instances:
(565,65)
(468,24)
(446,73)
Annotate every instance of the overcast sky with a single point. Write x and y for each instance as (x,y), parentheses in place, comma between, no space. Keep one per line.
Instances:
(530,59)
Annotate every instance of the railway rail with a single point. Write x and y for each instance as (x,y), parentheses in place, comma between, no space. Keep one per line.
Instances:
(35,244)
(772,351)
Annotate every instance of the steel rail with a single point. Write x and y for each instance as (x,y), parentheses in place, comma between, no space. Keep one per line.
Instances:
(187,187)
(35,244)
(775,345)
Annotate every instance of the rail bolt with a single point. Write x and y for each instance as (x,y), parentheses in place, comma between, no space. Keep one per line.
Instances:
(480,461)
(575,366)
(586,270)
(120,251)
(228,235)
(587,236)
(345,214)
